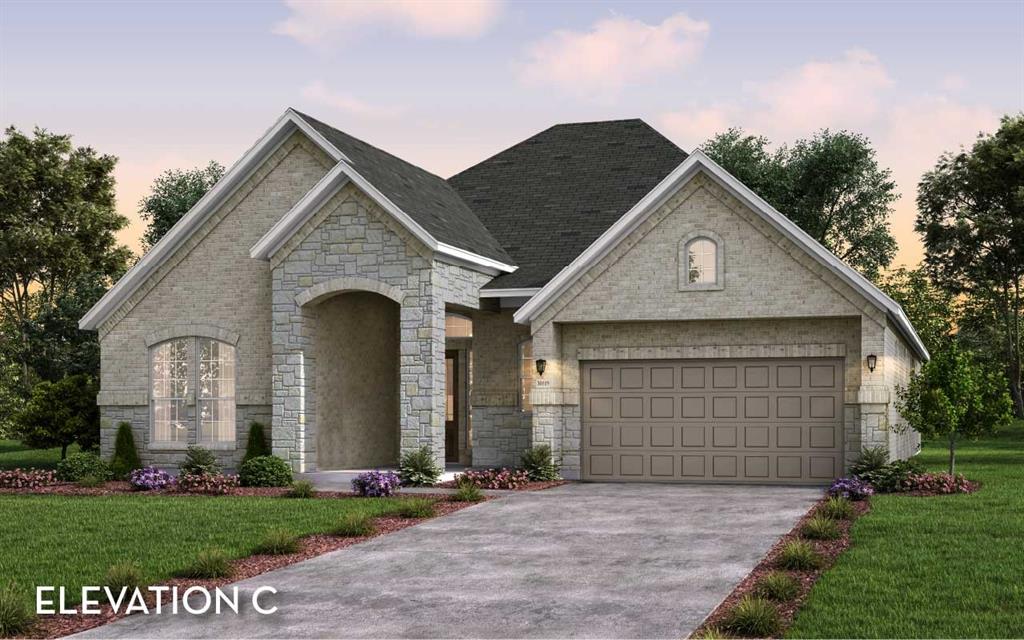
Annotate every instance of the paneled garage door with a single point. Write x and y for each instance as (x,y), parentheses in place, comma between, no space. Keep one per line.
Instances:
(756,421)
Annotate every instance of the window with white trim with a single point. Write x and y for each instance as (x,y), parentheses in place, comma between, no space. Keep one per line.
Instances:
(701,261)
(526,369)
(187,371)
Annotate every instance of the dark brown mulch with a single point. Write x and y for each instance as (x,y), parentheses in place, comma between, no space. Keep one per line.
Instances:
(123,488)
(529,486)
(57,626)
(829,549)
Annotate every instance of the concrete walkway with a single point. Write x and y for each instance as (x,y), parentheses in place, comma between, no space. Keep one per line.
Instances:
(577,561)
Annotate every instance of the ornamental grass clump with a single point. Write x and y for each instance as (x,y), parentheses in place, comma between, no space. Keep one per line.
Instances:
(16,616)
(419,468)
(869,459)
(123,575)
(354,525)
(837,509)
(777,586)
(277,542)
(819,527)
(851,488)
(27,478)
(414,508)
(207,565)
(539,464)
(799,555)
(150,479)
(376,484)
(753,617)
(301,489)
(90,482)
(468,493)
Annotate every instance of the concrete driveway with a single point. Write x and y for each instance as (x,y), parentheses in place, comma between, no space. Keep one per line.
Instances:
(578,561)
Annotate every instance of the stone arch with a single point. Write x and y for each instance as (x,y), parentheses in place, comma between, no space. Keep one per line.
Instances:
(342,284)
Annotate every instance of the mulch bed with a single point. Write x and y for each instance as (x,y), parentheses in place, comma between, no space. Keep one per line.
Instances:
(56,626)
(529,486)
(829,550)
(124,488)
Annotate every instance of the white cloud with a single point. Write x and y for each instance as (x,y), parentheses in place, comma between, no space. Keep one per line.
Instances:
(314,23)
(953,82)
(691,127)
(320,93)
(614,52)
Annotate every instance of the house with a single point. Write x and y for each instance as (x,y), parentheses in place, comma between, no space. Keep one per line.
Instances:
(593,287)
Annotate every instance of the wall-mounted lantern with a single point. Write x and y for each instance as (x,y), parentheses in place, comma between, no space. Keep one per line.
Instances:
(872,361)
(542,364)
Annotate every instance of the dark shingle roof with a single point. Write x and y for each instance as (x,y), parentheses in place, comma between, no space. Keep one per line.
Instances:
(427,198)
(548,198)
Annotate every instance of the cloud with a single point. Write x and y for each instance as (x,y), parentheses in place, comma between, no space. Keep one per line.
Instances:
(320,93)
(694,125)
(953,82)
(314,23)
(613,53)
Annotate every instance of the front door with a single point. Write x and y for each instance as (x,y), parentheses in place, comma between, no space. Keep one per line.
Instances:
(451,406)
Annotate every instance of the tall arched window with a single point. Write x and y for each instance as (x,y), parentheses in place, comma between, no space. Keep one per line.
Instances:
(187,373)
(701,261)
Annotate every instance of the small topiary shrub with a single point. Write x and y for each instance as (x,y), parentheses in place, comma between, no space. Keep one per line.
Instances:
(90,482)
(539,464)
(301,489)
(753,617)
(837,509)
(376,484)
(851,488)
(26,478)
(468,493)
(354,525)
(799,555)
(414,508)
(256,446)
(212,484)
(265,471)
(126,456)
(199,461)
(78,465)
(777,586)
(150,479)
(123,575)
(277,542)
(819,527)
(503,478)
(418,468)
(16,616)
(870,459)
(209,564)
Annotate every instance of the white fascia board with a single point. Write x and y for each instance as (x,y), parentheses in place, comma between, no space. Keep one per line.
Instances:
(455,255)
(239,172)
(525,292)
(697,161)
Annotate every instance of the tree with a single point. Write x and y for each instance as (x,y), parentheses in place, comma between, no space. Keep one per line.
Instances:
(61,413)
(971,217)
(173,193)
(929,308)
(954,397)
(830,185)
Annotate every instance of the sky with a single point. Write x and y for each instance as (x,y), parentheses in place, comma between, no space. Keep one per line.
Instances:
(447,84)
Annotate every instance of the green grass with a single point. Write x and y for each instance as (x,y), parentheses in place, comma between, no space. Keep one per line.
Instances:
(14,455)
(73,541)
(947,566)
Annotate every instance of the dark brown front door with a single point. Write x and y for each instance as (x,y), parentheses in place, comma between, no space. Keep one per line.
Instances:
(451,409)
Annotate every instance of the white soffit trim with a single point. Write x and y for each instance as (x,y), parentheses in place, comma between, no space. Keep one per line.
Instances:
(235,177)
(509,293)
(665,189)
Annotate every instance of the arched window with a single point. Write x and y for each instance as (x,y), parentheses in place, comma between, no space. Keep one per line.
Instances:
(701,262)
(192,372)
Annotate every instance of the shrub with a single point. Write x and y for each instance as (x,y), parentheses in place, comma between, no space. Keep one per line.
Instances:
(90,482)
(503,478)
(265,471)
(851,489)
(213,484)
(354,525)
(198,462)
(753,617)
(539,465)
(78,465)
(468,493)
(837,509)
(414,508)
(256,446)
(376,484)
(418,468)
(778,586)
(937,483)
(126,457)
(819,527)
(301,489)
(16,616)
(208,564)
(278,542)
(26,478)
(889,478)
(799,555)
(870,459)
(123,575)
(150,479)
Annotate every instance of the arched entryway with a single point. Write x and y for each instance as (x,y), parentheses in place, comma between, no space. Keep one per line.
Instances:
(357,380)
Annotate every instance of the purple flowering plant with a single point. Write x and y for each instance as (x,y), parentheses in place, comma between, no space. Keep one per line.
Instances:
(150,479)
(852,488)
(376,484)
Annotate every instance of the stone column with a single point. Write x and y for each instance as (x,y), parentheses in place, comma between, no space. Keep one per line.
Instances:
(422,371)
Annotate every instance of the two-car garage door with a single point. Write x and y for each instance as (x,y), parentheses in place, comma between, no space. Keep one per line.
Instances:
(757,421)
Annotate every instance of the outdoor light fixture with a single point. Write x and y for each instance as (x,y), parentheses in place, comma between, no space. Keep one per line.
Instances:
(872,361)
(542,364)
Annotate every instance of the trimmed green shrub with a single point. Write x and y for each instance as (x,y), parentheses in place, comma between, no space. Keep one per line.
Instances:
(777,586)
(354,525)
(16,616)
(208,564)
(539,464)
(753,617)
(257,446)
(126,456)
(78,465)
(414,508)
(892,477)
(800,556)
(819,527)
(277,542)
(90,482)
(199,461)
(837,509)
(870,459)
(301,489)
(126,575)
(418,468)
(265,471)
(468,493)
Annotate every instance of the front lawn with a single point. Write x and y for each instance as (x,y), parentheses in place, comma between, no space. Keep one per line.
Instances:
(15,455)
(71,541)
(940,567)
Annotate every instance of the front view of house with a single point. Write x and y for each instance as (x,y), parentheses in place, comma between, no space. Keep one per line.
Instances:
(594,288)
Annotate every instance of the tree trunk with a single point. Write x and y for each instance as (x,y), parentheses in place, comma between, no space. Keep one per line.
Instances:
(952,453)
(63,451)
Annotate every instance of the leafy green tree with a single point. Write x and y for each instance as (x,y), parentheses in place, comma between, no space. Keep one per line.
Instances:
(971,217)
(955,397)
(830,185)
(930,309)
(58,414)
(173,193)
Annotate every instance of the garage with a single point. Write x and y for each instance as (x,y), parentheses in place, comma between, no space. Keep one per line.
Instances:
(760,421)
